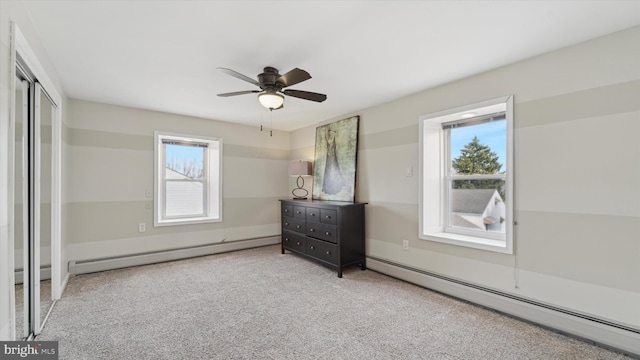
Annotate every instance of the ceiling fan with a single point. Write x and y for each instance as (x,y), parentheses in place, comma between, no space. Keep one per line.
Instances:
(271,83)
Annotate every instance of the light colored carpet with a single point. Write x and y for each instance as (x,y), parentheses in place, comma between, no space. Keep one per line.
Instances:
(259,304)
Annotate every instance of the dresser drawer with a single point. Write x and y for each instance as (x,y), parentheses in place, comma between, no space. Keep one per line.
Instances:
(291,224)
(328,216)
(287,210)
(322,250)
(322,231)
(299,212)
(294,241)
(313,214)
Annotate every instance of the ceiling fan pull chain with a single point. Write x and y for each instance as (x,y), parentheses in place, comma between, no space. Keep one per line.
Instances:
(271,119)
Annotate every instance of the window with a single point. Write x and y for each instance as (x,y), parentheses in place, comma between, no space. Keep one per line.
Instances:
(466,187)
(188,173)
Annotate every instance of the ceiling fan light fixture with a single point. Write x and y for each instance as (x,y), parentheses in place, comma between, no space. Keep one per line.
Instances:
(271,100)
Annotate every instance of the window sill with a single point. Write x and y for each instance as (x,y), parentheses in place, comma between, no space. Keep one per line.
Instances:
(499,246)
(186,221)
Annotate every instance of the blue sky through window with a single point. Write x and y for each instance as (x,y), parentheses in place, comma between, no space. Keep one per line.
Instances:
(183,158)
(492,134)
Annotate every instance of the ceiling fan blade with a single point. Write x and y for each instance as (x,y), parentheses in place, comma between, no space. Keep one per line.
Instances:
(239,76)
(293,77)
(306,95)
(239,93)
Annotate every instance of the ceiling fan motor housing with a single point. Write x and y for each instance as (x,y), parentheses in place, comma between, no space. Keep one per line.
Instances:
(268,79)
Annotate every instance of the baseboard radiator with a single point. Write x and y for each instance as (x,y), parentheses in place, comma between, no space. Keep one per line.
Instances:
(77,267)
(605,333)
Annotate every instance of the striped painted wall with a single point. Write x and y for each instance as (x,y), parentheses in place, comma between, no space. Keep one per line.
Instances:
(109,153)
(577,199)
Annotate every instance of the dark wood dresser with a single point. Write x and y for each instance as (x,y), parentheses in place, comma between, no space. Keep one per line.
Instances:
(329,232)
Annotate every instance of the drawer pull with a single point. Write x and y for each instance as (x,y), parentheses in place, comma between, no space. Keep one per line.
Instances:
(328,252)
(286,224)
(312,247)
(312,214)
(297,226)
(328,216)
(286,210)
(299,212)
(298,243)
(286,239)
(327,233)
(312,230)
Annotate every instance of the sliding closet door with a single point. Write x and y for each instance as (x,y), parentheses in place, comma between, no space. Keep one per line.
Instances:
(44,121)
(34,204)
(33,210)
(21,210)
(40,184)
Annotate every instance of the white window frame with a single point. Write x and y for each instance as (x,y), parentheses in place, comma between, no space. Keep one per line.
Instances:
(433,205)
(449,177)
(212,180)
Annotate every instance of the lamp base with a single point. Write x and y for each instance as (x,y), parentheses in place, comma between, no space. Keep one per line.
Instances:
(301,192)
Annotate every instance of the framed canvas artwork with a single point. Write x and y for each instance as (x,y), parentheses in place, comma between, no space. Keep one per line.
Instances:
(334,167)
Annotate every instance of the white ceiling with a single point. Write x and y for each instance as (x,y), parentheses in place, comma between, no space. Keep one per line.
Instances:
(162,55)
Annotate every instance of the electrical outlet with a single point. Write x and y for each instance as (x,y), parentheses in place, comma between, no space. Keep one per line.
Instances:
(148,193)
(409,172)
(405,245)
(147,205)
(142,227)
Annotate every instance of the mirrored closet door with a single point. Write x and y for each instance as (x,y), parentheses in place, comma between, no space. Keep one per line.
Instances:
(34,113)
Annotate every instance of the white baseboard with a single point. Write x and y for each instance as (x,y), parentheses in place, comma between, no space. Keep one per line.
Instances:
(94,265)
(45,274)
(617,338)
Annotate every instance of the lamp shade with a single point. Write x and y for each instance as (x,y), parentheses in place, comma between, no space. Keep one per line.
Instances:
(297,168)
(271,100)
